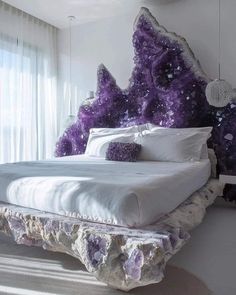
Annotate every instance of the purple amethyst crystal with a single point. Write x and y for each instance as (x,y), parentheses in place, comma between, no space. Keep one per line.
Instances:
(167,87)
(224,143)
(52,226)
(98,114)
(120,151)
(16,224)
(72,142)
(68,227)
(133,265)
(96,248)
(28,241)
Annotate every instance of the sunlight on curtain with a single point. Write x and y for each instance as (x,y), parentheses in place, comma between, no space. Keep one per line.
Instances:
(28,98)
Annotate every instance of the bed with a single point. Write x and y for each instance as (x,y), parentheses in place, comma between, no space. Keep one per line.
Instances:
(122,257)
(97,190)
(123,220)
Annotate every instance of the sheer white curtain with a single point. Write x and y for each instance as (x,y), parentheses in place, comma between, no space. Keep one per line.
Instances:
(28,76)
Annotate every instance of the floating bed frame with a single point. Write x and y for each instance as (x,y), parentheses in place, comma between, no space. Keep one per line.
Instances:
(122,258)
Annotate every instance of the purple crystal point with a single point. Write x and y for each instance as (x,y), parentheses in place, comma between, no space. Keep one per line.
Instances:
(109,107)
(99,114)
(96,249)
(133,265)
(167,81)
(16,224)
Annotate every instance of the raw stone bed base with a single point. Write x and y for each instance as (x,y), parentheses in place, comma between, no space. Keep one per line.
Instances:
(122,258)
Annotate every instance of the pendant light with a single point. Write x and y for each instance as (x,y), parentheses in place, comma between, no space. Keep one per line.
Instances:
(219,92)
(70,118)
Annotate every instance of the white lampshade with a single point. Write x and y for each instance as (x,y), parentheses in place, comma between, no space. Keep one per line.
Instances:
(219,93)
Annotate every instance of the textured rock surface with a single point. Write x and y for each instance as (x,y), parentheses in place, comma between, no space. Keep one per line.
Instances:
(122,258)
(224,143)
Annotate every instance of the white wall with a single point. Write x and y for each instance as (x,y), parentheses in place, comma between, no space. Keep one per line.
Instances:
(211,254)
(109,41)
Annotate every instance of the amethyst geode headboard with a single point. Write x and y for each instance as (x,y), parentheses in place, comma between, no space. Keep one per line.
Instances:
(167,88)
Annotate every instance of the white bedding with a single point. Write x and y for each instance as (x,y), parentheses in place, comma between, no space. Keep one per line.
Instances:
(120,193)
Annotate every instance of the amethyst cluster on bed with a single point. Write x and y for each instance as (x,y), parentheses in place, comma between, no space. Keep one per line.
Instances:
(120,151)
(167,88)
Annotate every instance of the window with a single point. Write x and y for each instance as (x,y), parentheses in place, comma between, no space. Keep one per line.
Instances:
(23,117)
(28,86)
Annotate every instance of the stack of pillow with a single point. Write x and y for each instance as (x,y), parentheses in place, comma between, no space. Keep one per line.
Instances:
(149,142)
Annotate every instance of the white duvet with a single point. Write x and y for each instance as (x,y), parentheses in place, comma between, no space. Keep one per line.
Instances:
(120,193)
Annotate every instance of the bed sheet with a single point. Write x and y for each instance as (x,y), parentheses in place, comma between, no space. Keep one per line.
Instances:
(93,189)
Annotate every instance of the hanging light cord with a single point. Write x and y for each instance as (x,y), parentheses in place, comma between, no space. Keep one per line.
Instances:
(70,96)
(219,48)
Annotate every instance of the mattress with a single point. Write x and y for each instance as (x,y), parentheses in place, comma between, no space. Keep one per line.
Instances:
(88,188)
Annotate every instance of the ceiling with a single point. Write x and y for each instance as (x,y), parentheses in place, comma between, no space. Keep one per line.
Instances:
(56,12)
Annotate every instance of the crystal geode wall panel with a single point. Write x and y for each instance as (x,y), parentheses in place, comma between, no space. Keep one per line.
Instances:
(167,88)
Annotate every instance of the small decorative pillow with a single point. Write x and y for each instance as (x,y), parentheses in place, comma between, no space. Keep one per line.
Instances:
(120,151)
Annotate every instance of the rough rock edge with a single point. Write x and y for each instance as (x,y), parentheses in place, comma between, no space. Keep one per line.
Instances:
(187,53)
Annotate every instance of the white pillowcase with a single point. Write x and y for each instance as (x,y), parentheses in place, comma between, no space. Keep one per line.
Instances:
(99,138)
(131,129)
(204,153)
(171,146)
(98,143)
(163,144)
(154,128)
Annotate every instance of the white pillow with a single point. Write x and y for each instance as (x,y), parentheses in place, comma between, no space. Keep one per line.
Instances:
(98,143)
(172,147)
(108,131)
(154,128)
(204,153)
